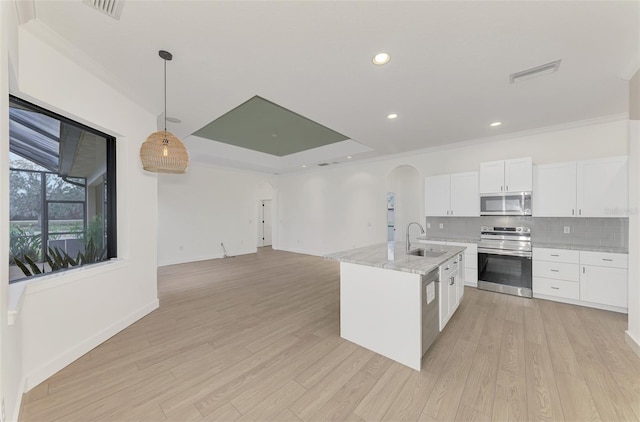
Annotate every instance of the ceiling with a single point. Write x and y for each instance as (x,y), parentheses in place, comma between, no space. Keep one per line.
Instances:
(448,77)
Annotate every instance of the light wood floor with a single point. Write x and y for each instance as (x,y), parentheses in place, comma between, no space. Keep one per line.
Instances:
(257,338)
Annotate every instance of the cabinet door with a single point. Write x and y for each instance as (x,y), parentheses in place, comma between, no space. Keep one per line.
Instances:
(465,201)
(554,190)
(518,175)
(436,196)
(461,277)
(492,177)
(604,285)
(602,187)
(452,283)
(443,300)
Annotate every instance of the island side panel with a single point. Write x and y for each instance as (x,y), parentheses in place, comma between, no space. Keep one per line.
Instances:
(380,310)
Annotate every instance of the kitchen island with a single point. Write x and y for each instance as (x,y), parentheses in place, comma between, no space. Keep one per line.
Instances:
(396,302)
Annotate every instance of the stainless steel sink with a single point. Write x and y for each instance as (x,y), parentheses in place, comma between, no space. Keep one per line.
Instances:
(427,252)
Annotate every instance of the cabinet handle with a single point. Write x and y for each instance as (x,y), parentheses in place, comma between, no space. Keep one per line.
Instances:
(555,288)
(555,271)
(455,262)
(583,270)
(580,211)
(573,211)
(554,254)
(451,212)
(507,188)
(453,280)
(607,259)
(500,188)
(446,269)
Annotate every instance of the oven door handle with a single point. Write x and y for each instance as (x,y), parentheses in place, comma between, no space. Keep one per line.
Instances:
(523,254)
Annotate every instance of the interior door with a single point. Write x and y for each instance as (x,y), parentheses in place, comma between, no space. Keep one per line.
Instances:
(266,223)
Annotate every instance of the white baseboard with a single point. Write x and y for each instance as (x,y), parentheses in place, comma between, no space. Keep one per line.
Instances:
(471,283)
(40,374)
(18,403)
(633,343)
(302,251)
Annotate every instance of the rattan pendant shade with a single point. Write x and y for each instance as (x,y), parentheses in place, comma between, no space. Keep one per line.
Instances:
(163,152)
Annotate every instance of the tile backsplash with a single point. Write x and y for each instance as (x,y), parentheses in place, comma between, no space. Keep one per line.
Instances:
(608,232)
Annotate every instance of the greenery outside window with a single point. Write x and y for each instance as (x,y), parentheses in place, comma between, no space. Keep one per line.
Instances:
(62,193)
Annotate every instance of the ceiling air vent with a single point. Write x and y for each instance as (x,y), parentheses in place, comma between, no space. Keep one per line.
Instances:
(534,72)
(111,8)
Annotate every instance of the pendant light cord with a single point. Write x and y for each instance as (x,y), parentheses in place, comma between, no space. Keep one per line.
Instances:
(165,95)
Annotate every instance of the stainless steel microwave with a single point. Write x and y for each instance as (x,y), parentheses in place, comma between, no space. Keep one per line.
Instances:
(513,203)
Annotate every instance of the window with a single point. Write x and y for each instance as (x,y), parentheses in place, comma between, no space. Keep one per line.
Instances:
(62,193)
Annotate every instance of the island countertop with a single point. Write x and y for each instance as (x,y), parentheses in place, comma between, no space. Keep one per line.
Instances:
(376,256)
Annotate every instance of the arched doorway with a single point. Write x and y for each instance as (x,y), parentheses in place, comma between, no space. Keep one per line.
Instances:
(404,183)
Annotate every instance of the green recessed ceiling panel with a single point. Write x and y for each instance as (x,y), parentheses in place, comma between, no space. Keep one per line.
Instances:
(261,125)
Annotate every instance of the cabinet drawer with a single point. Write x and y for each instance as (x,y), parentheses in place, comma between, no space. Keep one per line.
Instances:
(559,288)
(447,269)
(556,270)
(556,255)
(604,259)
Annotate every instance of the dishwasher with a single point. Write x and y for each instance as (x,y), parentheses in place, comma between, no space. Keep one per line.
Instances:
(430,309)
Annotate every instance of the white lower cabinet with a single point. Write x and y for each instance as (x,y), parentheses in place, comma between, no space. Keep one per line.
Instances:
(469,271)
(449,293)
(595,279)
(605,285)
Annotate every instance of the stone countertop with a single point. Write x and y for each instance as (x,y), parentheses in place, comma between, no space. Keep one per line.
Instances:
(447,239)
(534,243)
(376,256)
(611,249)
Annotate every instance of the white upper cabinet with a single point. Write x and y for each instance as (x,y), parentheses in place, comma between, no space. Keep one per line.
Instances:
(492,177)
(506,176)
(518,175)
(602,187)
(554,187)
(591,188)
(465,200)
(452,195)
(437,195)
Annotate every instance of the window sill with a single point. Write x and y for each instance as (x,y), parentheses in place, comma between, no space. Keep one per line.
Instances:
(53,280)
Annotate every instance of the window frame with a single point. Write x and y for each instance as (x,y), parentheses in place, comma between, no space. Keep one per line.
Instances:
(111,174)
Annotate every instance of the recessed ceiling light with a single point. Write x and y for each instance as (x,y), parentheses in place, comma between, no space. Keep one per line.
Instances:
(392,116)
(381,58)
(494,124)
(304,166)
(349,157)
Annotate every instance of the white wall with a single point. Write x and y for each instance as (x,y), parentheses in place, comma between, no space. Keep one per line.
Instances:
(341,207)
(205,207)
(633,332)
(405,181)
(67,314)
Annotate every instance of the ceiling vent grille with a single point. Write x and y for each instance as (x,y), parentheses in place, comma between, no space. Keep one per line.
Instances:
(112,8)
(534,72)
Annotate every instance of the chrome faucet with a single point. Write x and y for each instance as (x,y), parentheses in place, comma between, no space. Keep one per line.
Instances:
(408,244)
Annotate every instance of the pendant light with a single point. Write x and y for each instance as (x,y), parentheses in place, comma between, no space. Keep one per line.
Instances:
(163,152)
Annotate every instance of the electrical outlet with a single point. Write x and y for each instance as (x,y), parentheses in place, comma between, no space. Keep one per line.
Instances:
(567,229)
(428,225)
(442,225)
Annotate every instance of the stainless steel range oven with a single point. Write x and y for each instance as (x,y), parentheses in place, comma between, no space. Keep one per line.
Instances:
(504,260)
